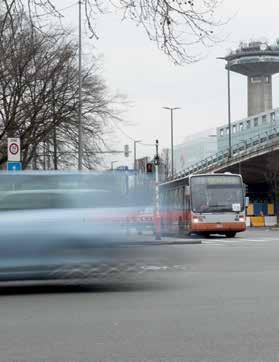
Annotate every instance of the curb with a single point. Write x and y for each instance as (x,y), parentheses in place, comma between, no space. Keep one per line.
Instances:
(168,242)
(196,242)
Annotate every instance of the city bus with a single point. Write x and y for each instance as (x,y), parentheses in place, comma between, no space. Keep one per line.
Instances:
(203,204)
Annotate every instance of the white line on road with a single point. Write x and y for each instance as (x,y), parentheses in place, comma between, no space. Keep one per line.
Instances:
(231,242)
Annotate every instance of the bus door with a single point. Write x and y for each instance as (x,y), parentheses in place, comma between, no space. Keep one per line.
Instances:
(187,208)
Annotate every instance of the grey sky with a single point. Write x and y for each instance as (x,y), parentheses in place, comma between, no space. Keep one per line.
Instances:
(135,67)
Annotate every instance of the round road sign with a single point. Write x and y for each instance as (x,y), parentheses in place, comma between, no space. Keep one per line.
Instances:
(14,148)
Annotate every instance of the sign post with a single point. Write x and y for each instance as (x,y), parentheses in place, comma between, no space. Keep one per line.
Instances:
(13,152)
(157,196)
(14,166)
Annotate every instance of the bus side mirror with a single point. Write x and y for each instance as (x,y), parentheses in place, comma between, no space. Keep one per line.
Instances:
(246,201)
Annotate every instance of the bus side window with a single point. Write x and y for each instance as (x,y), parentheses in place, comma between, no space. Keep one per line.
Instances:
(186,203)
(180,193)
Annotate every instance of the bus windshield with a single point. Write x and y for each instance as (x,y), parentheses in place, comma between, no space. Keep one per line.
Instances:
(217,193)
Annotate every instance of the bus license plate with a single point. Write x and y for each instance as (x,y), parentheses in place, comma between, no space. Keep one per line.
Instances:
(219,225)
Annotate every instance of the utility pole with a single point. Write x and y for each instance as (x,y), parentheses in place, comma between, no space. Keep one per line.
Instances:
(171,109)
(80,138)
(135,154)
(135,161)
(34,159)
(48,155)
(229,109)
(157,195)
(229,103)
(44,155)
(54,131)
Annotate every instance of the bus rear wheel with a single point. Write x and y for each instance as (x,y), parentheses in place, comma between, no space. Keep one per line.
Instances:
(205,235)
(230,234)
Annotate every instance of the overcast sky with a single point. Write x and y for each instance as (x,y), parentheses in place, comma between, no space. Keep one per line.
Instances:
(135,67)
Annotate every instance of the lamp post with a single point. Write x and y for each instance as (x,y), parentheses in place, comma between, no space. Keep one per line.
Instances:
(135,153)
(171,109)
(157,195)
(229,103)
(80,138)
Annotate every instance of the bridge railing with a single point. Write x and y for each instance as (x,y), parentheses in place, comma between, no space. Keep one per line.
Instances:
(239,150)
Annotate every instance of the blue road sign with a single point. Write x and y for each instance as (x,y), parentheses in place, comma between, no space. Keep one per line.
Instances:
(14,166)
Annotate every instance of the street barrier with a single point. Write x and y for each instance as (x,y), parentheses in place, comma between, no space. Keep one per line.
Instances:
(257,221)
(270,220)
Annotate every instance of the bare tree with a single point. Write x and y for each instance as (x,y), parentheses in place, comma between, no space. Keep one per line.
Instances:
(39,96)
(175,25)
(99,109)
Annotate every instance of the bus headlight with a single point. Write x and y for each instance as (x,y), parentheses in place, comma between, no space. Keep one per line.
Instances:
(241,219)
(196,219)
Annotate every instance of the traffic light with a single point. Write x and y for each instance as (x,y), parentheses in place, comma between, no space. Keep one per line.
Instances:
(149,167)
(156,160)
(126,150)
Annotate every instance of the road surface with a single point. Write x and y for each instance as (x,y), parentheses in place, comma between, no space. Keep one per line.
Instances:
(217,301)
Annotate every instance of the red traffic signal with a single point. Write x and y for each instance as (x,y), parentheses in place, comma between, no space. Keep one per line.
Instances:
(149,168)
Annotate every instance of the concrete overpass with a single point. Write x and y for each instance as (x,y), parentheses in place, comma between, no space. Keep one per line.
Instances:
(255,159)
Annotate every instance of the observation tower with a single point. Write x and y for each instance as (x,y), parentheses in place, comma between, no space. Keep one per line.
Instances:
(258,61)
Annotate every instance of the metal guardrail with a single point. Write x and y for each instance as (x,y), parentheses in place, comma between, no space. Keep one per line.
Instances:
(244,148)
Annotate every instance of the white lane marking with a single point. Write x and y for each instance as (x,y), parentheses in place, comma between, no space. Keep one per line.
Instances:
(256,240)
(260,240)
(231,242)
(267,239)
(212,243)
(154,267)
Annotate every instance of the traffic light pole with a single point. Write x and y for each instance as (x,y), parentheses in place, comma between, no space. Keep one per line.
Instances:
(157,196)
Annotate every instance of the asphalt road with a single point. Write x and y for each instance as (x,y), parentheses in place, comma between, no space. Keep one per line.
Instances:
(217,301)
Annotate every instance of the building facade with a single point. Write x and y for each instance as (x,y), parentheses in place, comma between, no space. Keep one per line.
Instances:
(242,131)
(194,149)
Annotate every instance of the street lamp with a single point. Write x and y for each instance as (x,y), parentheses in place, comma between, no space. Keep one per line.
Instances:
(111,164)
(229,104)
(80,138)
(171,109)
(135,153)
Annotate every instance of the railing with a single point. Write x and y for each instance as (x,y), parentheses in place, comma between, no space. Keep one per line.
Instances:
(244,148)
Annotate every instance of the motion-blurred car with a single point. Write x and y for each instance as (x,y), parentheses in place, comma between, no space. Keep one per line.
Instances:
(145,221)
(63,228)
